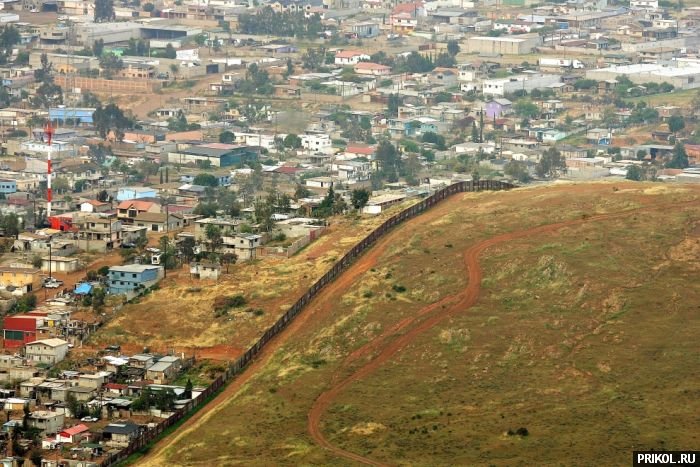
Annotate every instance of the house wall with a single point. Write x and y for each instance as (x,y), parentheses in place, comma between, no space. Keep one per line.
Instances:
(42,353)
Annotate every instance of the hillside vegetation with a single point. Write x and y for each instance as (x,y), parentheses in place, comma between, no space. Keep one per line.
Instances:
(534,327)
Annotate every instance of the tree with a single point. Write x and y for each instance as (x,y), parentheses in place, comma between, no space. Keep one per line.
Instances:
(227,137)
(214,238)
(434,138)
(290,68)
(445,60)
(452,47)
(104,10)
(229,259)
(551,164)
(517,170)
(188,390)
(206,180)
(359,198)
(167,252)
(187,248)
(301,192)
(393,104)
(292,141)
(679,160)
(314,59)
(635,173)
(149,7)
(475,133)
(10,225)
(389,160)
(110,64)
(60,185)
(170,51)
(98,47)
(676,123)
(526,109)
(110,118)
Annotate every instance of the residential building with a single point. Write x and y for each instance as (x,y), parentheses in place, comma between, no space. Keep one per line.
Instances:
(497,107)
(73,434)
(128,210)
(242,245)
(132,279)
(120,434)
(49,351)
(19,330)
(156,221)
(93,206)
(377,204)
(7,186)
(48,423)
(350,57)
(316,142)
(227,226)
(205,271)
(164,370)
(366,29)
(372,69)
(512,84)
(21,278)
(507,45)
(214,154)
(99,233)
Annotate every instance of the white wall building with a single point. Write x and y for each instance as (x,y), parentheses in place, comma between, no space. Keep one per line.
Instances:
(320,143)
(525,82)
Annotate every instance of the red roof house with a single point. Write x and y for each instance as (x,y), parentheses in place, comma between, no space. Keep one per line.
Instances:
(73,434)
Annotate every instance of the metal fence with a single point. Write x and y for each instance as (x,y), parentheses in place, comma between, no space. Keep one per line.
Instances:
(236,367)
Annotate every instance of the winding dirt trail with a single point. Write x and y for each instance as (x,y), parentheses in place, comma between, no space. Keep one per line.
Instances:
(435,313)
(322,304)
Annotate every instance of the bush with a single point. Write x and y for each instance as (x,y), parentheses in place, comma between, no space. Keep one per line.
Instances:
(398,288)
(222,305)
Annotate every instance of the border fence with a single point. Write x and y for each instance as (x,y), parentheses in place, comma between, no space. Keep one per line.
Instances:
(340,265)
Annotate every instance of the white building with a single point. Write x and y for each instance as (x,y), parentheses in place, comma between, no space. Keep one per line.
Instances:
(352,170)
(350,57)
(49,351)
(682,75)
(524,82)
(319,143)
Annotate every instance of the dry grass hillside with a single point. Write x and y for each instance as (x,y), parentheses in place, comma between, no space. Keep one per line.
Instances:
(181,314)
(552,325)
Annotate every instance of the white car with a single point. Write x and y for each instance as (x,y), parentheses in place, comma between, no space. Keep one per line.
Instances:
(89,419)
(52,283)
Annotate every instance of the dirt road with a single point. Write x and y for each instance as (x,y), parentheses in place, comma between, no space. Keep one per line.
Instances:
(70,279)
(322,304)
(435,313)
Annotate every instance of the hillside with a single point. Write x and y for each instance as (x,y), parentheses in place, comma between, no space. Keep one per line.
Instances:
(565,315)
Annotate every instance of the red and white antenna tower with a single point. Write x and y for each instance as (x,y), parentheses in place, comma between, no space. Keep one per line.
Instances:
(48,131)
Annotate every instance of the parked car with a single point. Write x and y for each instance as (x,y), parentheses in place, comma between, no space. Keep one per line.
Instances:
(128,245)
(89,419)
(52,283)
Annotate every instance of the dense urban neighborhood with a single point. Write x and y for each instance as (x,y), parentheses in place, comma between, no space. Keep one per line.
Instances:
(187,141)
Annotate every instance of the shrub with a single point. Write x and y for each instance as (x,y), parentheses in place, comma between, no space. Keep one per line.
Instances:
(398,288)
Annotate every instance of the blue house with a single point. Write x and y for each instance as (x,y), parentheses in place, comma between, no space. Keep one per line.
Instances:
(132,279)
(7,186)
(135,192)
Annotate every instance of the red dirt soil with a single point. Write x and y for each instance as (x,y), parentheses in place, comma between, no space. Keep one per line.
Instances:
(461,302)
